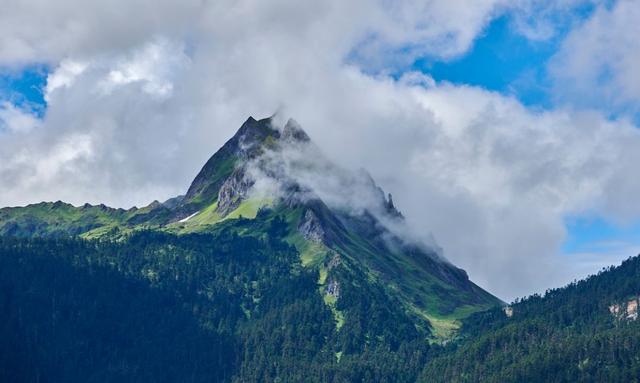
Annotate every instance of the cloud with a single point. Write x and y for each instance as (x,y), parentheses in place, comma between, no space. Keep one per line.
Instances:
(153,66)
(137,102)
(102,134)
(16,120)
(597,64)
(37,30)
(498,179)
(545,20)
(297,161)
(63,76)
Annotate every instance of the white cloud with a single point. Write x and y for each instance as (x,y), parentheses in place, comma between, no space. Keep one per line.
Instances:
(543,20)
(597,65)
(498,179)
(63,76)
(16,120)
(159,91)
(153,66)
(44,31)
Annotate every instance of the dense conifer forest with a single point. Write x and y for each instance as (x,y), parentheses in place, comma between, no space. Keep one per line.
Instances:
(222,307)
(160,307)
(567,335)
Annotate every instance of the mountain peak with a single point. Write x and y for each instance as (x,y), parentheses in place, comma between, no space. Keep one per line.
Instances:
(292,131)
(255,131)
(249,142)
(252,133)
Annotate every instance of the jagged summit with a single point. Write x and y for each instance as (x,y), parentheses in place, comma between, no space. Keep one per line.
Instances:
(285,158)
(292,131)
(244,144)
(249,142)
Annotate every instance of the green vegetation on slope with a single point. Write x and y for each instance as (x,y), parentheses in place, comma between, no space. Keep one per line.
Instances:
(203,220)
(569,335)
(222,306)
(62,219)
(433,292)
(427,299)
(231,307)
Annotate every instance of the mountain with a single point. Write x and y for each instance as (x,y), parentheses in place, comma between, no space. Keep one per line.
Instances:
(339,221)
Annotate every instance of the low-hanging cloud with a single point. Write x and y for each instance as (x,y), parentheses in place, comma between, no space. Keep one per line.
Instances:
(135,110)
(296,168)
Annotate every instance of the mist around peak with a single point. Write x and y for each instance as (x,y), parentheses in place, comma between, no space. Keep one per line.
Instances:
(292,166)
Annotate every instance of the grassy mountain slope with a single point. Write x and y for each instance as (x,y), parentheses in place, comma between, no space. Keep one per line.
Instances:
(62,219)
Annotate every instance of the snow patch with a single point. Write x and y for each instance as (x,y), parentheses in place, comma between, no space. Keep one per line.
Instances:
(189,217)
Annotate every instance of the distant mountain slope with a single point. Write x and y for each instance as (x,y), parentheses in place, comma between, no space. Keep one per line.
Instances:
(585,332)
(336,219)
(56,219)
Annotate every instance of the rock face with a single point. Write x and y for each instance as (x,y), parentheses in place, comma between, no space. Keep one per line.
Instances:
(391,209)
(251,141)
(333,288)
(632,309)
(334,262)
(508,311)
(233,191)
(311,228)
(614,310)
(625,311)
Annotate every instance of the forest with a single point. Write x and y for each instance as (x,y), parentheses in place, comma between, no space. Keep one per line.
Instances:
(225,307)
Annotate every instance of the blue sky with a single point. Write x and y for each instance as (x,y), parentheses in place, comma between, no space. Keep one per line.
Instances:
(589,234)
(503,59)
(25,87)
(500,60)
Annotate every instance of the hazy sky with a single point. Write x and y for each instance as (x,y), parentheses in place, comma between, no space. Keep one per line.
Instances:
(507,129)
